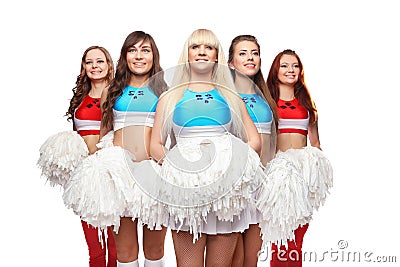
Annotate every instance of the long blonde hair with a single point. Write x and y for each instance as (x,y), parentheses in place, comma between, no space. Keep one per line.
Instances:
(221,79)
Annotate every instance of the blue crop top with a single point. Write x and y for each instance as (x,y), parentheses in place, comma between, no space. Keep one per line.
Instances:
(201,114)
(259,111)
(136,106)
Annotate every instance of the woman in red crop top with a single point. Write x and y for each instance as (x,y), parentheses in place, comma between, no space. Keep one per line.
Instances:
(62,153)
(286,84)
(97,71)
(299,169)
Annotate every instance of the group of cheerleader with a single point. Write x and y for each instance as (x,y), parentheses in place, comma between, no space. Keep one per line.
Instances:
(229,162)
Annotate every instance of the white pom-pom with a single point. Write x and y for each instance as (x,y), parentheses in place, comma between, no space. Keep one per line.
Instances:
(59,156)
(96,190)
(103,188)
(283,201)
(213,174)
(316,170)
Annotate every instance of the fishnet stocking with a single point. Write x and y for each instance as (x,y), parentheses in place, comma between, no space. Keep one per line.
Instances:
(220,249)
(188,254)
(238,255)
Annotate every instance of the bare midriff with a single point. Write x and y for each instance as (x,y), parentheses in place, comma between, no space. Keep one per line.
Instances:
(286,141)
(135,139)
(91,141)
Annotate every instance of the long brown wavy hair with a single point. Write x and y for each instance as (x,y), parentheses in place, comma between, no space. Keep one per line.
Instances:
(83,84)
(300,89)
(123,75)
(258,79)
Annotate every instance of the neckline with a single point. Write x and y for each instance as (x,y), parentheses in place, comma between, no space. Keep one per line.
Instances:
(88,95)
(287,100)
(255,94)
(133,87)
(196,92)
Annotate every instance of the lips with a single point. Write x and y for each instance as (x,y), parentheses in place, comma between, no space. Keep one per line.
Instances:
(96,72)
(251,66)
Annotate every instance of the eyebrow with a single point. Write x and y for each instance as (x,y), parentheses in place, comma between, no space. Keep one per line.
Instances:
(202,44)
(97,58)
(289,63)
(142,46)
(250,50)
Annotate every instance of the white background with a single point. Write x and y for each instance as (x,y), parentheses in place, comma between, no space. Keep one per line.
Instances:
(350,52)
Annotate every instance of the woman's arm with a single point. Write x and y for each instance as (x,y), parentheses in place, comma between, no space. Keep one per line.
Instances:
(158,140)
(253,138)
(313,135)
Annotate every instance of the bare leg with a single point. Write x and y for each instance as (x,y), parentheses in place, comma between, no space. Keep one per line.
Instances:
(252,245)
(153,244)
(112,250)
(126,241)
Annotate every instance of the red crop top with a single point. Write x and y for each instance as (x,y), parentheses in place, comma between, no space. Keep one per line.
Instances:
(87,116)
(293,117)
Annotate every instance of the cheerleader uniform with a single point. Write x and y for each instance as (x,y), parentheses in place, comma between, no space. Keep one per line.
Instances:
(87,122)
(298,181)
(261,114)
(62,152)
(208,177)
(116,192)
(259,111)
(312,163)
(87,116)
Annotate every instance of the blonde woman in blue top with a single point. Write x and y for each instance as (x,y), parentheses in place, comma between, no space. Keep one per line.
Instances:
(245,62)
(209,175)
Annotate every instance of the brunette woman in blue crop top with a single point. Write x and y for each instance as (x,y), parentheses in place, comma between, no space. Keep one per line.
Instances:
(96,72)
(305,171)
(129,106)
(245,61)
(127,119)
(208,174)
